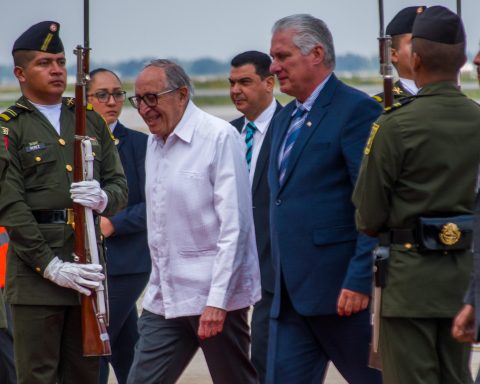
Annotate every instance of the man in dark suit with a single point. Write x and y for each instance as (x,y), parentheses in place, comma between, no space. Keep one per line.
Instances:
(323,266)
(128,257)
(251,90)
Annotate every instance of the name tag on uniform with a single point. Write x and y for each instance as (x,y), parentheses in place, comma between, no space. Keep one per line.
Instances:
(34,147)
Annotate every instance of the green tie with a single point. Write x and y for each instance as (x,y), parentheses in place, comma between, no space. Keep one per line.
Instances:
(250,131)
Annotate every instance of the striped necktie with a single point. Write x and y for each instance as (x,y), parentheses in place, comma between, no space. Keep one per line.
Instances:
(250,131)
(292,134)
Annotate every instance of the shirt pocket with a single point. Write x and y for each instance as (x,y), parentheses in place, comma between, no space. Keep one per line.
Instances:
(39,168)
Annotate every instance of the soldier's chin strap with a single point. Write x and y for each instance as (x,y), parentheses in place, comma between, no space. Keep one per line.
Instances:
(88,161)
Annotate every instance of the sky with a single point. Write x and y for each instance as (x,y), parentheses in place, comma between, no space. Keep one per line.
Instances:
(190,29)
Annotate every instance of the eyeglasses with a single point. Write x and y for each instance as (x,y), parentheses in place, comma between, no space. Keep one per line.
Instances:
(150,99)
(104,96)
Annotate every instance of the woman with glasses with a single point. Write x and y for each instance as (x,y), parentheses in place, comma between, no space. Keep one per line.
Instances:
(128,258)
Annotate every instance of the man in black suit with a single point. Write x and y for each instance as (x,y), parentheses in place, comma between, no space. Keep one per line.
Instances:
(251,90)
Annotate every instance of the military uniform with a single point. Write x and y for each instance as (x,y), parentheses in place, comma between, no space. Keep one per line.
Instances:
(399,93)
(421,160)
(39,178)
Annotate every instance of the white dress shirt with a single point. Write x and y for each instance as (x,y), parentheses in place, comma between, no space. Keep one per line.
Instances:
(199,219)
(409,85)
(261,122)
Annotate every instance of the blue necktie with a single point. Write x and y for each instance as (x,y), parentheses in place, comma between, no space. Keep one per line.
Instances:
(292,134)
(250,131)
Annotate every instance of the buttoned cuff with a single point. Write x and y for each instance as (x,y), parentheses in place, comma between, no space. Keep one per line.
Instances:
(217,298)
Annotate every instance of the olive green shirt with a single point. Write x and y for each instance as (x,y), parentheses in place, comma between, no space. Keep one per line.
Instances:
(421,160)
(39,178)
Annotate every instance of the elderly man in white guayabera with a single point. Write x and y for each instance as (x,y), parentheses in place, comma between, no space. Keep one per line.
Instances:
(205,272)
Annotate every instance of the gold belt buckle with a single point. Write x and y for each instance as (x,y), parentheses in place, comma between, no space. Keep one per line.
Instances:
(70,217)
(450,234)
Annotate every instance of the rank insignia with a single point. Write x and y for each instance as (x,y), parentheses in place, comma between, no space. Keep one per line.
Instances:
(396,90)
(373,132)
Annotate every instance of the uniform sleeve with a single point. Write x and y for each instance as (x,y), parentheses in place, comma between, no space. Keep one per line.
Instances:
(15,214)
(232,202)
(3,160)
(112,177)
(380,169)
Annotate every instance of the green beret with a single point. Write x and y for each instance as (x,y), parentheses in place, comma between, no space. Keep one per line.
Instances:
(402,22)
(440,25)
(43,37)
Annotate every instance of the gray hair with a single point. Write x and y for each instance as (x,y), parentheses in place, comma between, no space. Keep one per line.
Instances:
(175,74)
(309,31)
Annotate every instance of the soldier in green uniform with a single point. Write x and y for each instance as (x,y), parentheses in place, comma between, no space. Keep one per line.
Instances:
(43,283)
(400,29)
(416,190)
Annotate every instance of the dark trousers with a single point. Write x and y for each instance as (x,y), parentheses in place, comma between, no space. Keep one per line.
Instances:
(166,346)
(48,346)
(300,347)
(123,293)
(7,364)
(260,327)
(422,350)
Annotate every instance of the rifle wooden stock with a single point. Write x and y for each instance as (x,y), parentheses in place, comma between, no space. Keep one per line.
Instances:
(385,44)
(95,339)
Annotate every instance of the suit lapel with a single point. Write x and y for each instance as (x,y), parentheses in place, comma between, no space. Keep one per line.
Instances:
(277,140)
(312,122)
(264,155)
(120,134)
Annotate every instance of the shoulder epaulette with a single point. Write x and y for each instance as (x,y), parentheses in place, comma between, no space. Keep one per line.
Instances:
(377,98)
(70,103)
(398,104)
(12,112)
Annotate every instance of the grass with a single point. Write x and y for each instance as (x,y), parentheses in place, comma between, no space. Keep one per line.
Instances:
(221,83)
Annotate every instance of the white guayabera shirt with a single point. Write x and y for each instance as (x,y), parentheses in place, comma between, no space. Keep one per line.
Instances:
(199,219)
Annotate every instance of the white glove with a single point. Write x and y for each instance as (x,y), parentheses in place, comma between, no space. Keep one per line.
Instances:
(89,194)
(76,276)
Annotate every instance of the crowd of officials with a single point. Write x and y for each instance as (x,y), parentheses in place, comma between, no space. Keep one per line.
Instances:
(280,209)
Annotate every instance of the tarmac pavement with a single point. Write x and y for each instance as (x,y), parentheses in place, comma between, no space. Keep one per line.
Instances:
(197,371)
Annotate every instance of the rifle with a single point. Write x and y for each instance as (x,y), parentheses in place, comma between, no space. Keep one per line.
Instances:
(95,340)
(385,56)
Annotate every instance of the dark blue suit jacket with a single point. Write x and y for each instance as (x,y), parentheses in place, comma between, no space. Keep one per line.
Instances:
(261,206)
(127,248)
(315,245)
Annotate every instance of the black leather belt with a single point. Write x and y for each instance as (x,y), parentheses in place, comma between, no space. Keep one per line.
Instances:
(54,216)
(398,236)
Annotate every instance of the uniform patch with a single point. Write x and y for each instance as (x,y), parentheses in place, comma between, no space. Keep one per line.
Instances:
(373,132)
(397,91)
(34,147)
(4,131)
